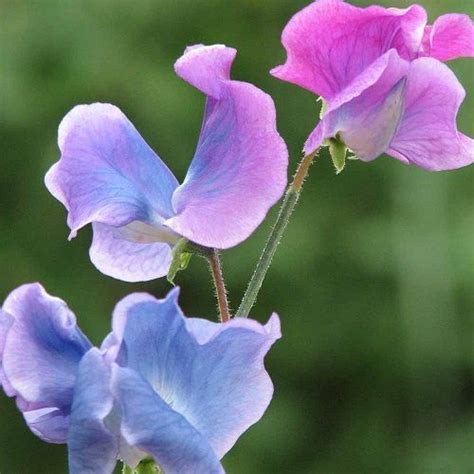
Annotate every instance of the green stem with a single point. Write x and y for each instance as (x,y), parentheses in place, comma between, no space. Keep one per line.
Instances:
(289,203)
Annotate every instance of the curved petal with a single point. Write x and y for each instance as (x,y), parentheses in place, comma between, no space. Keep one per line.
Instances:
(114,254)
(240,166)
(368,121)
(450,37)
(330,42)
(176,356)
(428,135)
(93,448)
(41,354)
(153,426)
(113,341)
(6,322)
(238,389)
(107,173)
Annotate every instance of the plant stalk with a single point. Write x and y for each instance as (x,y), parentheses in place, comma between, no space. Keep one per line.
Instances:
(291,198)
(221,292)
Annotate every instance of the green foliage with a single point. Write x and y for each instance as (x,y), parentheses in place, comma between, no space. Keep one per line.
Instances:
(373,281)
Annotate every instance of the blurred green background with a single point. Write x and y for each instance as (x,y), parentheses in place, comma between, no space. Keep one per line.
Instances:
(373,282)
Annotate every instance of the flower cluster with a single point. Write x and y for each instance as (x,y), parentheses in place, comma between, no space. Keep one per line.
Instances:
(178,390)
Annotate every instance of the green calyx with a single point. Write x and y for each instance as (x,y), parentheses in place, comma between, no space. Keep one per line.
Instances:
(338,151)
(182,253)
(147,466)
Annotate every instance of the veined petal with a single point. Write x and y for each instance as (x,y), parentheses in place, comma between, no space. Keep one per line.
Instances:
(176,356)
(150,424)
(93,448)
(330,42)
(107,173)
(117,255)
(428,135)
(240,166)
(366,119)
(113,341)
(41,353)
(238,389)
(450,37)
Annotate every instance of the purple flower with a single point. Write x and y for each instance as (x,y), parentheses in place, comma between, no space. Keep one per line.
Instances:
(381,93)
(181,390)
(110,177)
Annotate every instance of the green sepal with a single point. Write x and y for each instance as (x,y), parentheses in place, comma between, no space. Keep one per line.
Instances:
(337,150)
(181,258)
(147,466)
(324,106)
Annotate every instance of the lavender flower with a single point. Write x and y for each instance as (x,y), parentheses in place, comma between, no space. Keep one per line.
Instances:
(110,177)
(181,390)
(381,93)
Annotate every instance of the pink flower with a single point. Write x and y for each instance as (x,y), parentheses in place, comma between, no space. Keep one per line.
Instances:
(379,74)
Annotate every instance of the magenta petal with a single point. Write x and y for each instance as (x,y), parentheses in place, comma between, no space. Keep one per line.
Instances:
(450,37)
(428,135)
(107,173)
(118,257)
(240,166)
(366,119)
(329,43)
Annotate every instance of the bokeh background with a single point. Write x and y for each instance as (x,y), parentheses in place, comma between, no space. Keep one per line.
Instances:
(373,282)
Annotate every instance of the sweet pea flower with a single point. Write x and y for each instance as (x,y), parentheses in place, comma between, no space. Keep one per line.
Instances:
(108,176)
(179,390)
(378,73)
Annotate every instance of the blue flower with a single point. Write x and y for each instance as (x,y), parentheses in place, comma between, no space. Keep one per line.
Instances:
(179,390)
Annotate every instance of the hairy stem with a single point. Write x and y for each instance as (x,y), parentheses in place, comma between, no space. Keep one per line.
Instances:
(291,198)
(221,292)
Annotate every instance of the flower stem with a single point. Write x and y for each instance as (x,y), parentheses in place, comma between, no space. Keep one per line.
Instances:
(221,292)
(291,198)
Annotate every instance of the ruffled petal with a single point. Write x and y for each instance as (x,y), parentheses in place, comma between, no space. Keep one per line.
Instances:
(150,424)
(176,356)
(238,389)
(41,354)
(6,322)
(366,116)
(107,173)
(93,448)
(240,166)
(427,136)
(330,42)
(450,37)
(116,255)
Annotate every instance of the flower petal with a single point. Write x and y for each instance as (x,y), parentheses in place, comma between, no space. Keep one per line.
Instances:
(240,166)
(41,354)
(117,256)
(212,374)
(428,135)
(93,449)
(450,37)
(153,426)
(366,119)
(238,389)
(330,42)
(6,322)
(107,173)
